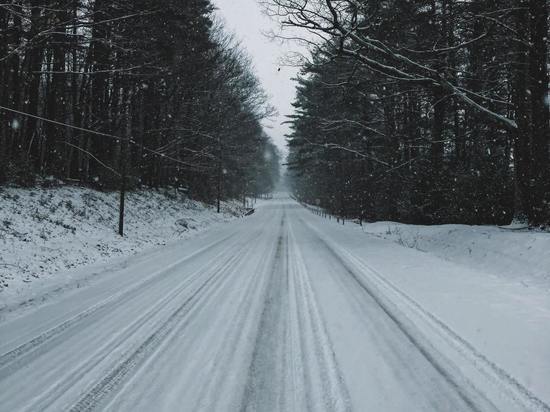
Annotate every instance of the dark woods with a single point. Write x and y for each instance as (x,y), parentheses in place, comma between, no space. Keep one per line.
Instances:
(423,111)
(154,92)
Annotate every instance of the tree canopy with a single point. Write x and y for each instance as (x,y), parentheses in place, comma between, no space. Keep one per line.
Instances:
(423,111)
(155,90)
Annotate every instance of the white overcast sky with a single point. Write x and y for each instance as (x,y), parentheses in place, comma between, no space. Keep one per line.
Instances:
(246,20)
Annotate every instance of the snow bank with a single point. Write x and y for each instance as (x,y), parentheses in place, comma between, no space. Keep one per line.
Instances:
(518,255)
(47,231)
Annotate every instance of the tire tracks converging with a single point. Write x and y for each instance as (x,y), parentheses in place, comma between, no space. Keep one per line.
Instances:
(101,390)
(120,339)
(269,315)
(16,357)
(388,296)
(261,387)
(293,365)
(321,371)
(489,369)
(232,357)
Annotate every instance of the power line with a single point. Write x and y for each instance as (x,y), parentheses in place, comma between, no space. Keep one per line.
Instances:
(82,129)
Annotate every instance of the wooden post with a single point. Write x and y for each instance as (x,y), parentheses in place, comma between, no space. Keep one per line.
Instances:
(122,201)
(123,165)
(220,175)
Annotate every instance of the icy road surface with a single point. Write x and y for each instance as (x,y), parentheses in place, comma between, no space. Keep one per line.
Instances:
(271,313)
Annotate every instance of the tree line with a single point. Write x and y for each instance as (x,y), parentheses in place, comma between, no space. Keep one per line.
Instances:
(145,92)
(430,111)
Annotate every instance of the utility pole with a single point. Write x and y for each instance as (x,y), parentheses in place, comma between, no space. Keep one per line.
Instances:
(123,166)
(220,174)
(245,192)
(122,196)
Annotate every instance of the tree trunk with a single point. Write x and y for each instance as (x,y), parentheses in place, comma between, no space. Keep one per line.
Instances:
(34,57)
(540,130)
(124,167)
(521,136)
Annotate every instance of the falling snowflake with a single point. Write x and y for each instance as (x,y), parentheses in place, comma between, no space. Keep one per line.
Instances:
(15,124)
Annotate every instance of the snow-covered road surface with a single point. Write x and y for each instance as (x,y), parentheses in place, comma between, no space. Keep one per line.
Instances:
(267,314)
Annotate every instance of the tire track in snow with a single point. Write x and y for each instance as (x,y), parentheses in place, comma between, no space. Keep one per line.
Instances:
(321,370)
(229,358)
(213,348)
(293,366)
(117,343)
(19,356)
(265,374)
(110,381)
(489,369)
(373,284)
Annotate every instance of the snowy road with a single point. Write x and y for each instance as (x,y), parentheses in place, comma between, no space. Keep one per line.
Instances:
(265,314)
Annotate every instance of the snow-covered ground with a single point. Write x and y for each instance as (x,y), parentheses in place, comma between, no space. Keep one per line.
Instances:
(283,311)
(46,234)
(519,255)
(485,312)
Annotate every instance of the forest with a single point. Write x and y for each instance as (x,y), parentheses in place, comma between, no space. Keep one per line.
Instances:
(140,92)
(422,111)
